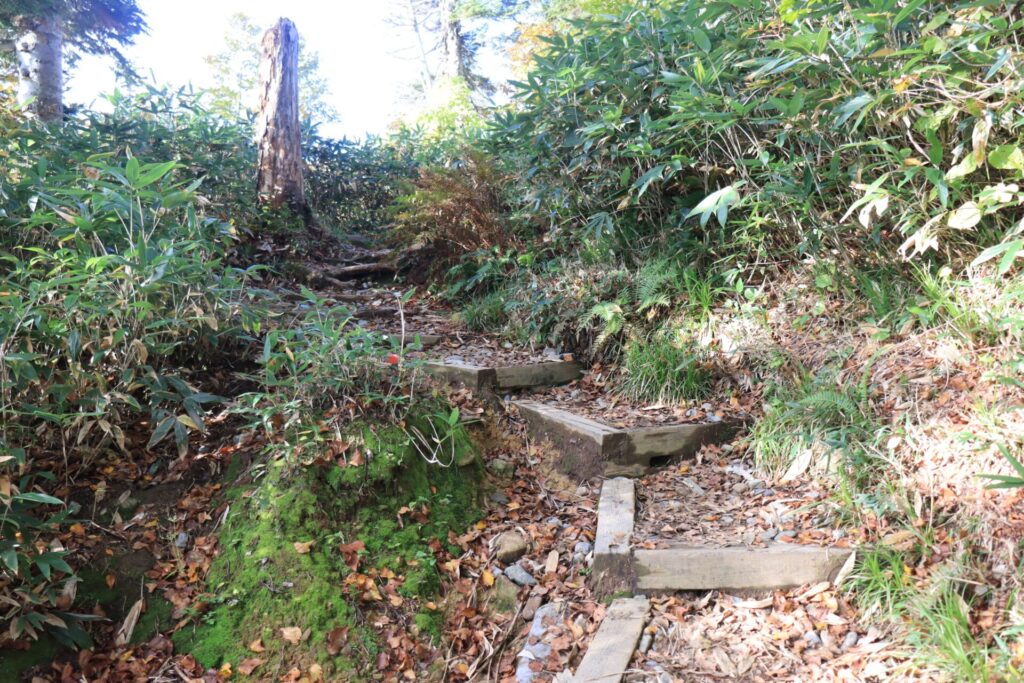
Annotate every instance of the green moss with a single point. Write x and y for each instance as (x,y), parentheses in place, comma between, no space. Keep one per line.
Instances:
(430,625)
(260,583)
(15,662)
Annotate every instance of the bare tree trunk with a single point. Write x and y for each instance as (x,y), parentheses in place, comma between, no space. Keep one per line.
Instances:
(454,54)
(279,178)
(40,50)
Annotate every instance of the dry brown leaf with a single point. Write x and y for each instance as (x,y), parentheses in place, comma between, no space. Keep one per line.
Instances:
(247,666)
(303,548)
(293,634)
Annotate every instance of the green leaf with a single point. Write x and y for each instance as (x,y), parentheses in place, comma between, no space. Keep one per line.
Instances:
(33,497)
(701,39)
(1007,157)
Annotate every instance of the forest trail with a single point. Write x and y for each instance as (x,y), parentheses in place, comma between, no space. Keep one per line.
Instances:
(691,567)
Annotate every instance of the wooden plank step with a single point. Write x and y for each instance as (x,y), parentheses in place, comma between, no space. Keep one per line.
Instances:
(473,376)
(507,378)
(546,374)
(590,448)
(609,654)
(616,510)
(775,567)
(586,445)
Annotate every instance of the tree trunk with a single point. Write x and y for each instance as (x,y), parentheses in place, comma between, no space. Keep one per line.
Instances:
(40,50)
(454,53)
(279,177)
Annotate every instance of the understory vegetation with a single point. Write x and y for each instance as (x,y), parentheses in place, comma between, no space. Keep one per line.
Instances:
(817,204)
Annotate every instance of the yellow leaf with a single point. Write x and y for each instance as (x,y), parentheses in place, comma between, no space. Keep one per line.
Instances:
(303,548)
(257,645)
(487,577)
(225,670)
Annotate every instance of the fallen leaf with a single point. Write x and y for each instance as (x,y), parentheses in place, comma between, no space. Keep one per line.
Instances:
(487,578)
(257,645)
(247,666)
(293,634)
(303,548)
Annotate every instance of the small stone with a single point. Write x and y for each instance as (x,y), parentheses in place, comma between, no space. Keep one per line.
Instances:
(499,497)
(582,490)
(786,535)
(551,565)
(583,547)
(520,576)
(706,407)
(501,468)
(727,519)
(554,521)
(510,546)
(767,535)
(812,639)
(645,642)
(182,540)
(532,605)
(714,418)
(838,533)
(849,641)
(740,487)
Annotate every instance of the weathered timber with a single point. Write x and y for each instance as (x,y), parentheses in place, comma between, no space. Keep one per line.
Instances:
(589,447)
(473,376)
(586,445)
(616,510)
(608,656)
(682,440)
(360,270)
(546,374)
(775,567)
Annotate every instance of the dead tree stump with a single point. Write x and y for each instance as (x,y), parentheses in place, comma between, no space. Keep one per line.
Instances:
(279,177)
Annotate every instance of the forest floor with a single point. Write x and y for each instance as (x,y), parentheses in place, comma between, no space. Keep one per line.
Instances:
(151,534)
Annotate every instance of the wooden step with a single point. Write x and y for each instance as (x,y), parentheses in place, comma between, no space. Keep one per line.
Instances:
(589,448)
(613,559)
(509,377)
(611,650)
(620,567)
(775,567)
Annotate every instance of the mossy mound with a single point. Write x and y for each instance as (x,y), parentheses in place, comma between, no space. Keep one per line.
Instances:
(323,550)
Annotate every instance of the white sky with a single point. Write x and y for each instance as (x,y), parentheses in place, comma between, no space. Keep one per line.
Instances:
(354,42)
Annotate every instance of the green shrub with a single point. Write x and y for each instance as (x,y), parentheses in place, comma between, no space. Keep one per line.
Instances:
(659,368)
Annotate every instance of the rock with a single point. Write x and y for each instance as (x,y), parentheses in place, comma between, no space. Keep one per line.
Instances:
(520,576)
(645,642)
(714,418)
(128,505)
(551,565)
(849,641)
(812,639)
(499,497)
(582,490)
(554,521)
(510,546)
(532,605)
(583,547)
(501,468)
(182,539)
(536,649)
(740,487)
(838,533)
(768,535)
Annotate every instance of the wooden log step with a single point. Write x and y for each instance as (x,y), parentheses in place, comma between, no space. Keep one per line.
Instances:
(473,376)
(616,510)
(775,567)
(611,650)
(507,378)
(590,448)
